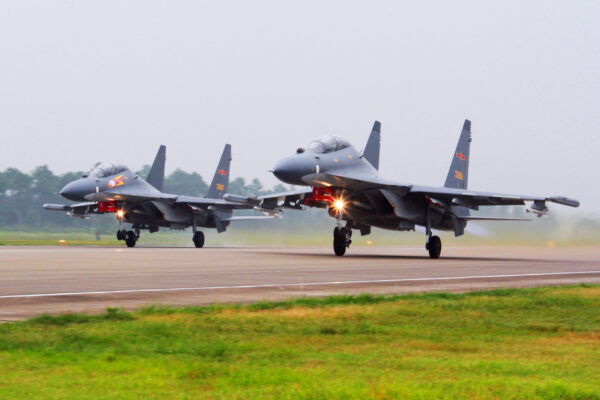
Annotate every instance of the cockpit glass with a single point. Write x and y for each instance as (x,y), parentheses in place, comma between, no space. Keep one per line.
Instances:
(327,144)
(106,169)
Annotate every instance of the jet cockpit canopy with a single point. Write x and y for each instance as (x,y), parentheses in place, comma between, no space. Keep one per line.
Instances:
(107,169)
(328,144)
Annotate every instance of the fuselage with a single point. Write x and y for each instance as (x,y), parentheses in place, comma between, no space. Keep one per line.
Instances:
(133,200)
(361,205)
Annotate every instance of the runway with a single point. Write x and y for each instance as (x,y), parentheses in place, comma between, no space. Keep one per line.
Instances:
(36,280)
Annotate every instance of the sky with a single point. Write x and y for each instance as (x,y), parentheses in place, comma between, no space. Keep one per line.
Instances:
(88,81)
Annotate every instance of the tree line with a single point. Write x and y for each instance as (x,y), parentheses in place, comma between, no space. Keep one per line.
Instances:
(22,196)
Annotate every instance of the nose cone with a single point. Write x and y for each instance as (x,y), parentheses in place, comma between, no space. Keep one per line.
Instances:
(76,190)
(291,169)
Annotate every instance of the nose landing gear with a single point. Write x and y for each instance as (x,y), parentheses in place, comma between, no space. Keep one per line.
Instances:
(341,240)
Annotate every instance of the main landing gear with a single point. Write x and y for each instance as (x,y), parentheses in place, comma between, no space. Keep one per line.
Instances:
(198,239)
(434,246)
(130,237)
(434,243)
(341,240)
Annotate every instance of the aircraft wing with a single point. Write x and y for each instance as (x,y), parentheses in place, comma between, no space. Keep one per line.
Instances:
(205,202)
(459,197)
(79,210)
(249,218)
(473,199)
(271,202)
(356,181)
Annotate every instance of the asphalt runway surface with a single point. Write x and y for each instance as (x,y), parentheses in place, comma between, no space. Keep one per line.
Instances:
(36,280)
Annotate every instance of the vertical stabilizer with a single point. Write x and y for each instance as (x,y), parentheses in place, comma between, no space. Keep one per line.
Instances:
(371,152)
(458,175)
(220,183)
(156,176)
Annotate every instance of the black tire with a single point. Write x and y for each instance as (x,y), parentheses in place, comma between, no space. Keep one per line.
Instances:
(119,235)
(339,242)
(130,239)
(339,247)
(435,247)
(198,239)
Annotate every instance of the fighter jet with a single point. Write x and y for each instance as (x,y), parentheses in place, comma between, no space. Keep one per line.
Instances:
(113,188)
(349,185)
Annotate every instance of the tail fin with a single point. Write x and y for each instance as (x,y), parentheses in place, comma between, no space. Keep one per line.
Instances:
(156,176)
(220,183)
(458,176)
(371,152)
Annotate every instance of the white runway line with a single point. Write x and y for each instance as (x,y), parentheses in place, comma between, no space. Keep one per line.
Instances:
(283,285)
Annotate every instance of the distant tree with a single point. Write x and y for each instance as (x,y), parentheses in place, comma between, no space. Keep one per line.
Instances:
(181,182)
(22,196)
(238,186)
(144,171)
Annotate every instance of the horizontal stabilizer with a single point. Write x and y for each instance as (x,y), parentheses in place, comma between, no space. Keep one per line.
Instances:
(241,199)
(565,201)
(249,218)
(475,218)
(56,207)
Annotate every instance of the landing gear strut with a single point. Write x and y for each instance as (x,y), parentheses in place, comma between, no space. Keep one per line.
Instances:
(434,243)
(341,240)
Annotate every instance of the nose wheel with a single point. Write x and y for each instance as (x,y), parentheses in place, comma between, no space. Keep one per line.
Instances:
(198,239)
(341,240)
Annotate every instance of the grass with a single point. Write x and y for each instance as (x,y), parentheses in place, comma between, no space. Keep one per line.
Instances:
(541,343)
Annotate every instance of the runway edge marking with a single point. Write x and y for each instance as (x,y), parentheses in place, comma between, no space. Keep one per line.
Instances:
(281,285)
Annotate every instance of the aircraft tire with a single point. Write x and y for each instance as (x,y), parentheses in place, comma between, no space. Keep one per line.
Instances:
(119,235)
(130,239)
(198,239)
(435,247)
(339,242)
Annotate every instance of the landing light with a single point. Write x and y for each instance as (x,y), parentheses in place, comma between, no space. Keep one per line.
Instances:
(339,205)
(120,214)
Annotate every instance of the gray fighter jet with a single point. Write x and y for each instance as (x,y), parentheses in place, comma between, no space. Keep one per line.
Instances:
(349,185)
(113,188)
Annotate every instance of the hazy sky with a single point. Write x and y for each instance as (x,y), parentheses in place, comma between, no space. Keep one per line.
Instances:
(87,81)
